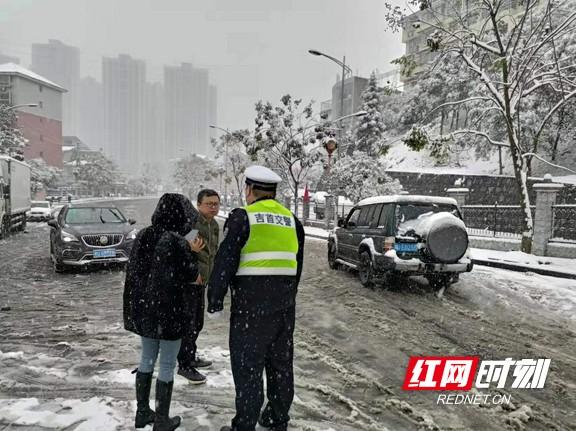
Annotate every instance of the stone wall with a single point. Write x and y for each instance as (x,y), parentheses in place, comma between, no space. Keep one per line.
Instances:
(500,244)
(484,189)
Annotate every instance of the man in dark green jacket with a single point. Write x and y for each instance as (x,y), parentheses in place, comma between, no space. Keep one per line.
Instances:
(208,207)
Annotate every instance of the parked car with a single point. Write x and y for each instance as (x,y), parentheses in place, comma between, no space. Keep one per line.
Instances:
(387,236)
(90,234)
(39,211)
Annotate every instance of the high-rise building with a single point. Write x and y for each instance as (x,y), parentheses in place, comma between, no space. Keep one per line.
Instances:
(153,140)
(8,59)
(60,63)
(91,113)
(124,83)
(213,118)
(189,110)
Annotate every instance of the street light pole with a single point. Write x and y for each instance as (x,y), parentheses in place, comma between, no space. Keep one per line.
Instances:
(24,105)
(212,126)
(344,70)
(342,99)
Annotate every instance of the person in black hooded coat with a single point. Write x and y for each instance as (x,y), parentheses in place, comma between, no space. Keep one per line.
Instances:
(162,269)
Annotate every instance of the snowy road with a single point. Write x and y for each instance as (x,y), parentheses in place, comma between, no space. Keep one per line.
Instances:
(65,359)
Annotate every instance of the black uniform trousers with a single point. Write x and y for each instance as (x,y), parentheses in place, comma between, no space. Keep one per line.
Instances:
(195,304)
(258,342)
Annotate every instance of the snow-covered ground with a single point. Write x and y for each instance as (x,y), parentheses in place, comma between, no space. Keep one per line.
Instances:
(402,158)
(528,261)
(66,359)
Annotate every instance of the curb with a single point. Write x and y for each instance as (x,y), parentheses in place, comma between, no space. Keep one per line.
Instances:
(502,265)
(518,268)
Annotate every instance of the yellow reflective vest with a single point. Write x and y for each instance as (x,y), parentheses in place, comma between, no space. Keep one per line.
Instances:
(273,244)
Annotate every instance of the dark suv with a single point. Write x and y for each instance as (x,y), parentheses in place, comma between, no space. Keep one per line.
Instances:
(88,234)
(402,235)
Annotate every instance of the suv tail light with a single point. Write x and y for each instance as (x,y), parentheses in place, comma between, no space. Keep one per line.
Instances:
(389,243)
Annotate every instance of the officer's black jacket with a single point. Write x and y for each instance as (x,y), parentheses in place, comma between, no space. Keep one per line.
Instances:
(259,294)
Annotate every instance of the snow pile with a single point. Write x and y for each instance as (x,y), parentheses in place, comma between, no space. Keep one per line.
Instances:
(116,377)
(11,355)
(94,414)
(316,231)
(219,375)
(219,379)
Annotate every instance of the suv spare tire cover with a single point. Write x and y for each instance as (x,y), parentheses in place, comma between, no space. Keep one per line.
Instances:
(446,239)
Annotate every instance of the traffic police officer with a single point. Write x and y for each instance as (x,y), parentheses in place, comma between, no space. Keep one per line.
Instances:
(260,259)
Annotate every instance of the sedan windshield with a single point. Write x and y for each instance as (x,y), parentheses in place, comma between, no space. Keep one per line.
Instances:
(94,216)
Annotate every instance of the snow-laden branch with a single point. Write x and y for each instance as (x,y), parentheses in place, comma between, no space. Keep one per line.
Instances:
(484,46)
(481,134)
(460,102)
(547,162)
(537,86)
(484,78)
(553,111)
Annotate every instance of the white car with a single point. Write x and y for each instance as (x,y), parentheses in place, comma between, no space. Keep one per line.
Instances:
(39,211)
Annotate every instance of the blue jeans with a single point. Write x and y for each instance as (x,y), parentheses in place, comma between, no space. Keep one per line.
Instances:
(168,353)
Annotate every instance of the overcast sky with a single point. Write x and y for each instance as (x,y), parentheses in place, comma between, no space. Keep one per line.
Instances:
(255,49)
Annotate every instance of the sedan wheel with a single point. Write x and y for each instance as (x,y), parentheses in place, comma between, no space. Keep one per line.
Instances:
(366,270)
(58,267)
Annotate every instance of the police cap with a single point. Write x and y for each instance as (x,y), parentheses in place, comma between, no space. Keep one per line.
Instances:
(262,178)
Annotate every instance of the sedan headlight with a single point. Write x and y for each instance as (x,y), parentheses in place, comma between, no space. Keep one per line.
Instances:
(132,234)
(68,237)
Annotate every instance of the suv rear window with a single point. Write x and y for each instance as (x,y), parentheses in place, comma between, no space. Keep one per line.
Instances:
(406,211)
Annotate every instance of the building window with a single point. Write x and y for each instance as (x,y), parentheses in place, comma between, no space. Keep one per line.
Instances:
(41,153)
(41,138)
(40,88)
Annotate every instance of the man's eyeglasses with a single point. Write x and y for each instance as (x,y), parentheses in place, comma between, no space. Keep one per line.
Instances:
(212,204)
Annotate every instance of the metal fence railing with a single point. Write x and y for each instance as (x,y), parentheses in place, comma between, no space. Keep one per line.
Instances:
(500,221)
(564,223)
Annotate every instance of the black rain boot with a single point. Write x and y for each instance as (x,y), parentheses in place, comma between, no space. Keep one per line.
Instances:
(144,414)
(163,421)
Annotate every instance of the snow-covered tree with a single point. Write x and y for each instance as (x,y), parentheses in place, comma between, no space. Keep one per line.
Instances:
(42,176)
(361,175)
(287,138)
(370,129)
(150,177)
(12,141)
(194,173)
(232,158)
(513,56)
(97,173)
